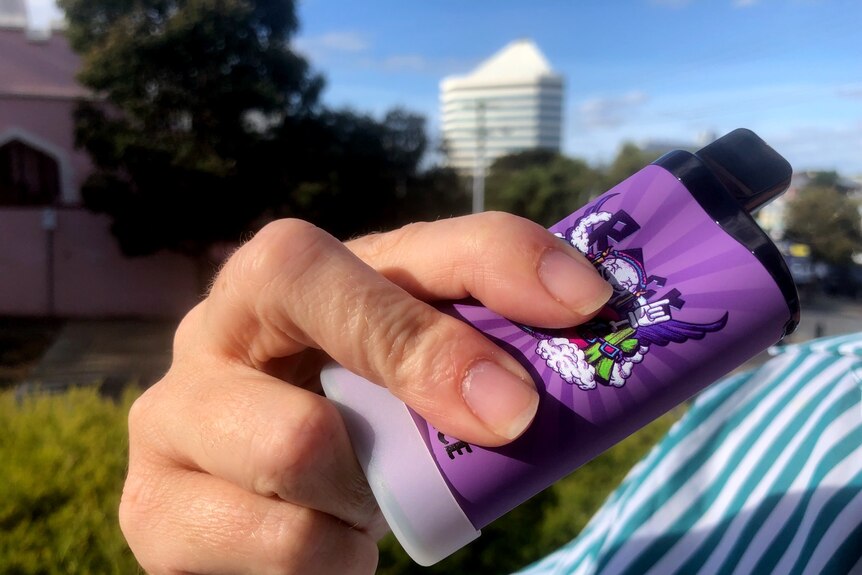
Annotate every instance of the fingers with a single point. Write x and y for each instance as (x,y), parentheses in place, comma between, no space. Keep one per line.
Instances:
(513,266)
(188,522)
(295,286)
(252,430)
(232,470)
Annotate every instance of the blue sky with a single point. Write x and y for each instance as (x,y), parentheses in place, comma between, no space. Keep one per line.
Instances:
(662,69)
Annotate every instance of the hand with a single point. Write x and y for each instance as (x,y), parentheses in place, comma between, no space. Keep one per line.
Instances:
(238,465)
(650,314)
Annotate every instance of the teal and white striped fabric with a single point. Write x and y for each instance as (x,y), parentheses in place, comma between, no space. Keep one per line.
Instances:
(762,475)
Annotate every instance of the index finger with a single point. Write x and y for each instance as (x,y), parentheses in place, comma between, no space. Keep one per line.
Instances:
(293,285)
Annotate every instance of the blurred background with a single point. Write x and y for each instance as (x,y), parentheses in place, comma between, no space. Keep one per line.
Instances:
(142,141)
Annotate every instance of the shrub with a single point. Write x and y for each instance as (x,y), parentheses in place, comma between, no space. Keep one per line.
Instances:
(545,522)
(63,461)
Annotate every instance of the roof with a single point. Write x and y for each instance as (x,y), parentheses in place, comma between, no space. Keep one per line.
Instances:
(38,66)
(13,14)
(518,62)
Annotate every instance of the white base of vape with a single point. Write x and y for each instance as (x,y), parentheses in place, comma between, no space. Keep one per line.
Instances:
(412,494)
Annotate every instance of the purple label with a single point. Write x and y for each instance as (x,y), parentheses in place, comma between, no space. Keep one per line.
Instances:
(690,304)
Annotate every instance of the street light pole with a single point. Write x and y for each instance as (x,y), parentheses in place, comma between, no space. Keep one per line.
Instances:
(479,160)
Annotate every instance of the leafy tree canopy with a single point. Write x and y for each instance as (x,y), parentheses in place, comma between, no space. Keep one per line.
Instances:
(545,186)
(629,159)
(187,92)
(206,123)
(828,221)
(540,185)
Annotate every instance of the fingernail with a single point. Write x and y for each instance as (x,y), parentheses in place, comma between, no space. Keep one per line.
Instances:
(503,401)
(573,282)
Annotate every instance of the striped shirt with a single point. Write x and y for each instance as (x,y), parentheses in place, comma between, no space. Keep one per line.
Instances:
(762,475)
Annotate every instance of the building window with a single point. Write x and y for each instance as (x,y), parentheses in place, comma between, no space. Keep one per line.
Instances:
(27,176)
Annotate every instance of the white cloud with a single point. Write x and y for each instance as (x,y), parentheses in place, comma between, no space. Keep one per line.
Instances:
(408,62)
(343,42)
(744,3)
(332,44)
(354,49)
(610,112)
(820,147)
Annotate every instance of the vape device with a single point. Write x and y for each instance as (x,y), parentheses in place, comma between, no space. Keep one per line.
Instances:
(698,289)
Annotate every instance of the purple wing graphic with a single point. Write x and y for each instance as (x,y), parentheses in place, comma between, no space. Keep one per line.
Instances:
(598,205)
(677,331)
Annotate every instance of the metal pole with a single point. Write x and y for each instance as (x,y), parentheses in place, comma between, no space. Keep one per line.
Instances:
(479,160)
(49,224)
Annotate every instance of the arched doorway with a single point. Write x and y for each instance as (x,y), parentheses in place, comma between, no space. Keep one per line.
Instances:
(28,176)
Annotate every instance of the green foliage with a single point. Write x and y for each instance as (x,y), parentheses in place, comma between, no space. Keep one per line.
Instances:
(829,179)
(361,175)
(629,160)
(207,125)
(543,524)
(64,461)
(188,94)
(540,185)
(828,221)
(545,187)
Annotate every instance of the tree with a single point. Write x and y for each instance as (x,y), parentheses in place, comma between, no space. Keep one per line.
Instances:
(540,185)
(828,221)
(629,160)
(208,125)
(190,93)
(827,179)
(361,175)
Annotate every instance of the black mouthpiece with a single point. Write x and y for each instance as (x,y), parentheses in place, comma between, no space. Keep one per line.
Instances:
(746,165)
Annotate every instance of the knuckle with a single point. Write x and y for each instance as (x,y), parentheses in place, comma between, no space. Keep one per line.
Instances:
(378,248)
(419,352)
(492,227)
(146,420)
(310,541)
(187,332)
(407,328)
(286,233)
(141,510)
(489,225)
(291,544)
(140,414)
(493,219)
(287,455)
(278,249)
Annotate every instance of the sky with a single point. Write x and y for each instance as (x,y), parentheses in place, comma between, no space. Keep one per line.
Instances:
(635,70)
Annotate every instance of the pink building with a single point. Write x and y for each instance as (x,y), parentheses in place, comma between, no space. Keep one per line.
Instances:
(57,258)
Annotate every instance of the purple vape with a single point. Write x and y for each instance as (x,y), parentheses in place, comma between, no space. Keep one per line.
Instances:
(698,289)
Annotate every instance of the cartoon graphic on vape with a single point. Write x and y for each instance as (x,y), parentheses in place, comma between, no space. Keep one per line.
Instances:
(605,350)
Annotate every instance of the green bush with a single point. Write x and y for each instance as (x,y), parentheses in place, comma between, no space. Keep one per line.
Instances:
(545,522)
(62,465)
(63,460)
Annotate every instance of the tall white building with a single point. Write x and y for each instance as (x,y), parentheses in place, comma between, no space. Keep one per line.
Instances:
(511,102)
